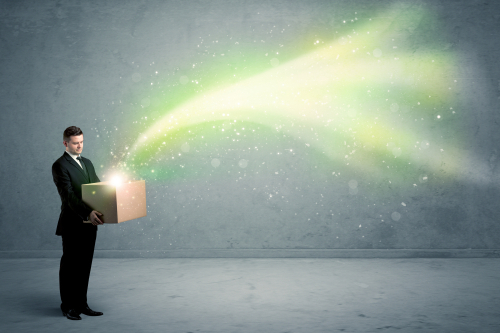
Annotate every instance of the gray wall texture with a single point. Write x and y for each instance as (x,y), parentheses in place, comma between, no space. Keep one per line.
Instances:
(114,68)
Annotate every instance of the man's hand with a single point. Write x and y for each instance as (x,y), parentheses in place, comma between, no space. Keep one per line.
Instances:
(94,219)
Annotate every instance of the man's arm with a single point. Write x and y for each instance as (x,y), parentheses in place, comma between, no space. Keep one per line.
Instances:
(93,171)
(63,184)
(94,216)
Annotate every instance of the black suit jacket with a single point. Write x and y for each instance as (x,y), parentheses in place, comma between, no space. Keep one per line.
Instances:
(69,178)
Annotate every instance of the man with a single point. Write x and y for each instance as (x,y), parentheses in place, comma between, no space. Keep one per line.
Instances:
(70,171)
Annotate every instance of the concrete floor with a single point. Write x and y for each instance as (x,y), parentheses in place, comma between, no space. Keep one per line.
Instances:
(260,295)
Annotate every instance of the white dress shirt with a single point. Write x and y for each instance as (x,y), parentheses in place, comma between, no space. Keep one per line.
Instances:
(74,157)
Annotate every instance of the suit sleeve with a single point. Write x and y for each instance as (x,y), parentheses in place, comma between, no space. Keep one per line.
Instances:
(98,180)
(63,184)
(94,174)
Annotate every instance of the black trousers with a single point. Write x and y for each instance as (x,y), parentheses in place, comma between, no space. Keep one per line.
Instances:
(74,270)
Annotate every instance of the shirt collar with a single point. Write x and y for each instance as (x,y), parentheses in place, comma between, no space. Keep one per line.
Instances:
(72,155)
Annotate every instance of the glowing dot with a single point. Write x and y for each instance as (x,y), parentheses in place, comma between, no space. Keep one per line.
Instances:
(215,162)
(423,178)
(395,216)
(424,144)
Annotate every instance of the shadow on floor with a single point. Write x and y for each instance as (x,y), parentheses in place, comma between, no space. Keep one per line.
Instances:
(42,305)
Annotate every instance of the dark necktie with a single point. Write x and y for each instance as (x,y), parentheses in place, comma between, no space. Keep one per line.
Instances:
(82,165)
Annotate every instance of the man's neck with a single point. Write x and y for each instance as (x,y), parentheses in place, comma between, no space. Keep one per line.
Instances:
(70,154)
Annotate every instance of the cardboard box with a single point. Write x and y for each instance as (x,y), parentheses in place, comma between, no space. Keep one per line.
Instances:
(117,202)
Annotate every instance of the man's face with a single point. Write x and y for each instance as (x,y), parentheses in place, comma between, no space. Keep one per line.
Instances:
(75,144)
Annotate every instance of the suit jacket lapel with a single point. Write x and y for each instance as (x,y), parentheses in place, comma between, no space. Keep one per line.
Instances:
(72,161)
(87,174)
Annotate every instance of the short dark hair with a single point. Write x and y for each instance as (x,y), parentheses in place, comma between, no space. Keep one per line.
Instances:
(71,131)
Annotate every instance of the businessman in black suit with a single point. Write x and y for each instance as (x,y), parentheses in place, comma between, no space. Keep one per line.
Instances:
(70,171)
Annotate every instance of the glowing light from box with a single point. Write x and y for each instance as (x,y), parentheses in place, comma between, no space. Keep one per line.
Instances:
(365,99)
(116,180)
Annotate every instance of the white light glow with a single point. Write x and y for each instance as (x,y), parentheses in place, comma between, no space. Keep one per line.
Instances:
(116,180)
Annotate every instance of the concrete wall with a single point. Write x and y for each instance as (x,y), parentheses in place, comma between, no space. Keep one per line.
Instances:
(105,66)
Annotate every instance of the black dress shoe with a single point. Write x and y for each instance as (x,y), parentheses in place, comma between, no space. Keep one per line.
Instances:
(89,312)
(72,314)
